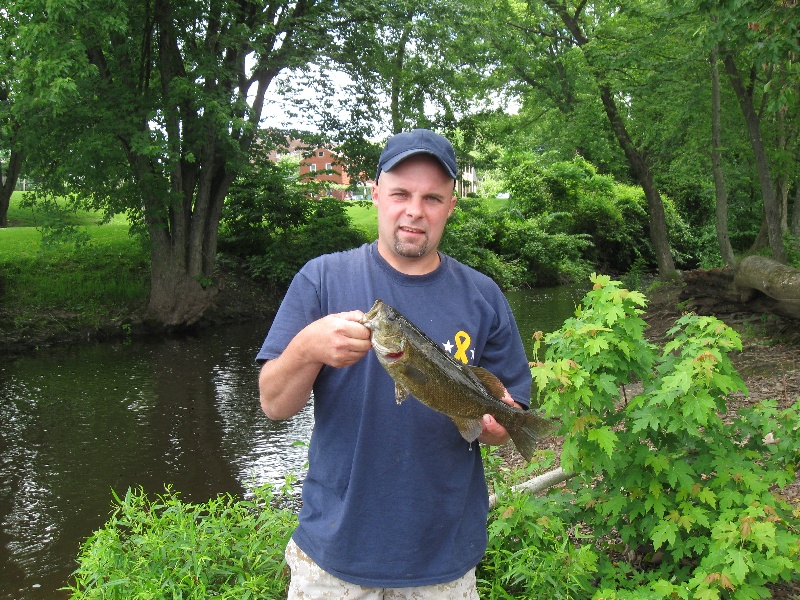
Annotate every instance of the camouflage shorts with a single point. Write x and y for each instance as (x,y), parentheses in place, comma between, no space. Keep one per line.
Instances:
(310,582)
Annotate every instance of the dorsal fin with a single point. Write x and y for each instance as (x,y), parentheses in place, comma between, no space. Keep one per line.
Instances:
(492,383)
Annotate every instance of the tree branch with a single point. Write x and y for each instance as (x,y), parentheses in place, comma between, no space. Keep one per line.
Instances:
(537,484)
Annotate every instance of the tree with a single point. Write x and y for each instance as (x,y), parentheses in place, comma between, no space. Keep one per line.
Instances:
(719,180)
(155,106)
(417,66)
(758,44)
(551,35)
(11,154)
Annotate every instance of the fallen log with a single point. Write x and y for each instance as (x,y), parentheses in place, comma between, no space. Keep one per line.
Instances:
(538,484)
(758,285)
(758,274)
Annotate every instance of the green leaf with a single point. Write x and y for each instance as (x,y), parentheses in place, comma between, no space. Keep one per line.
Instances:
(605,438)
(664,532)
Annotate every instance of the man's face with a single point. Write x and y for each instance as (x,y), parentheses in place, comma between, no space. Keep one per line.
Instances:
(414,200)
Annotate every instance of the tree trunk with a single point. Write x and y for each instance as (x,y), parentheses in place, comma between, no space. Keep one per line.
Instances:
(723,238)
(8,185)
(771,208)
(795,227)
(177,298)
(637,161)
(758,285)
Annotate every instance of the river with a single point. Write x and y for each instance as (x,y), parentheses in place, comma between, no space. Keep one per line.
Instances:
(78,422)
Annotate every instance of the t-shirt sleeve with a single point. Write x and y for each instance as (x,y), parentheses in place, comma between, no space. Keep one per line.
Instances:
(300,307)
(504,355)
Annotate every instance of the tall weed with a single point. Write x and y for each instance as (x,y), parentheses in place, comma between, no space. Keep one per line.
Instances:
(166,548)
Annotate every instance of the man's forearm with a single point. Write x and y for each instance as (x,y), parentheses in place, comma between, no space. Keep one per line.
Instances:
(285,385)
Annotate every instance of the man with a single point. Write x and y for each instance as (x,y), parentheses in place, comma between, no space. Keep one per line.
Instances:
(395,501)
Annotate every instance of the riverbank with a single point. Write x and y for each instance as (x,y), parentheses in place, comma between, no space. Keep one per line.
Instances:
(24,330)
(771,344)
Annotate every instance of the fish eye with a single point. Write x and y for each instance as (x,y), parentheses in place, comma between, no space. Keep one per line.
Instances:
(391,315)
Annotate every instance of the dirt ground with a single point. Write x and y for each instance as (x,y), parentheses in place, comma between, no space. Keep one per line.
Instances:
(769,364)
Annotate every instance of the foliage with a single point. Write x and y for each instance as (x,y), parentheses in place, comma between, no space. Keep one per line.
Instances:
(662,471)
(513,250)
(271,224)
(612,214)
(530,553)
(167,548)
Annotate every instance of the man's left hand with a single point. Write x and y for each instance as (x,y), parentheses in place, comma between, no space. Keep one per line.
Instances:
(494,434)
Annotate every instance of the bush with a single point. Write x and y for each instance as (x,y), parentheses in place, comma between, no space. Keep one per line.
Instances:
(511,249)
(270,224)
(166,548)
(662,471)
(284,252)
(614,215)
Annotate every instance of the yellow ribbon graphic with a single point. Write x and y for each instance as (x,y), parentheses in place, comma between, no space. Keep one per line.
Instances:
(462,343)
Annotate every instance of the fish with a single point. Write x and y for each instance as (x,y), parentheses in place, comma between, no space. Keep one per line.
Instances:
(422,369)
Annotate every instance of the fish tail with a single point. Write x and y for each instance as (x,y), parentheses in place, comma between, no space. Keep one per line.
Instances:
(527,430)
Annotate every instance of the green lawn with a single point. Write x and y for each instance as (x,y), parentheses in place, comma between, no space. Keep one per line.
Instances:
(109,270)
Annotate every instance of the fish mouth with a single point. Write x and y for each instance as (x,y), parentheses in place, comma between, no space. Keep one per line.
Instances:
(388,354)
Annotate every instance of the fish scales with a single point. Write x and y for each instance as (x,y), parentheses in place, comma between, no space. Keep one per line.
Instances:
(420,367)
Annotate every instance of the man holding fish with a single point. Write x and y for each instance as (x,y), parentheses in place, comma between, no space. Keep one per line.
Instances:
(395,500)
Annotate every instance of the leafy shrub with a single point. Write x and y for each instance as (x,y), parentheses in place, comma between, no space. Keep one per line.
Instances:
(470,237)
(662,471)
(614,215)
(270,223)
(166,548)
(511,249)
(327,229)
(531,553)
(550,257)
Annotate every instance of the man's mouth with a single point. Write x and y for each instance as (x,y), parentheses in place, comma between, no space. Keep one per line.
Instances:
(412,230)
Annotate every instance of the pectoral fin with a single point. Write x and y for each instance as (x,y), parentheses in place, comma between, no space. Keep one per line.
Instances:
(400,393)
(470,429)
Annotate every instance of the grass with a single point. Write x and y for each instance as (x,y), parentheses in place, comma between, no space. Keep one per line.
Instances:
(364,216)
(20,215)
(109,271)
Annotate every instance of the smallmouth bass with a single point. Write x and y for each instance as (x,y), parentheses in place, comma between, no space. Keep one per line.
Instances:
(420,367)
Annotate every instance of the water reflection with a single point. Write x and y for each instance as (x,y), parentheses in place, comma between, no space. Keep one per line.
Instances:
(76,423)
(543,309)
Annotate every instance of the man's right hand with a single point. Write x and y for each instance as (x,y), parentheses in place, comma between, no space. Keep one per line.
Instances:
(285,383)
(338,340)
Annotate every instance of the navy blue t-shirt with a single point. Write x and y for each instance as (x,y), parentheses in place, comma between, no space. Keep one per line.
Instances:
(394,496)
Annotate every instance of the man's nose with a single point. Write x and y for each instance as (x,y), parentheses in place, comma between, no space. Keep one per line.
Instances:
(414,207)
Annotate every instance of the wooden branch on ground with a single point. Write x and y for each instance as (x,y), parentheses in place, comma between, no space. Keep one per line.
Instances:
(538,484)
(757,285)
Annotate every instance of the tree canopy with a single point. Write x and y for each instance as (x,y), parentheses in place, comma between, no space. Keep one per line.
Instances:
(153,108)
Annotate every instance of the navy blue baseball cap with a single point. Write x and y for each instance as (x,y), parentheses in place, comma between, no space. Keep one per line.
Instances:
(417,141)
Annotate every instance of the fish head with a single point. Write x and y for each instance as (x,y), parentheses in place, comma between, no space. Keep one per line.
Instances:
(388,339)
